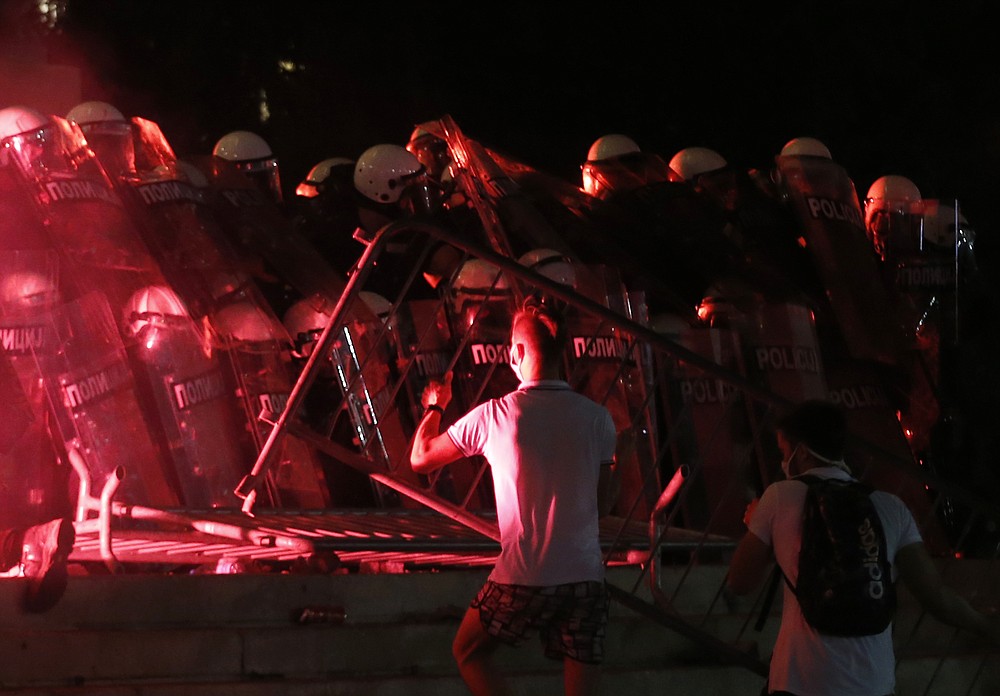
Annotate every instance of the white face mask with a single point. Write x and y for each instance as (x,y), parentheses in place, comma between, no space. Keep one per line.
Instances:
(786,463)
(515,366)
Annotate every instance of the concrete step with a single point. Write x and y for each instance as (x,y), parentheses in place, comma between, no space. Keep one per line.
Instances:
(204,631)
(238,634)
(615,682)
(94,601)
(287,650)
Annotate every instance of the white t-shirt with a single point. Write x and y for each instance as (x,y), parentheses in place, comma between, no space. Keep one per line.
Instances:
(545,444)
(805,662)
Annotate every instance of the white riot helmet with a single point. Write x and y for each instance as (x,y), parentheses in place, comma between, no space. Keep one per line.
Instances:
(309,187)
(893,190)
(478,281)
(30,129)
(691,162)
(612,145)
(151,310)
(251,154)
(305,321)
(550,264)
(28,290)
(94,113)
(382,172)
(17,120)
(811,147)
(892,214)
(432,152)
(108,133)
(604,148)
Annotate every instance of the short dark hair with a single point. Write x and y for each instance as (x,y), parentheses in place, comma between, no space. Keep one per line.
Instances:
(544,328)
(819,425)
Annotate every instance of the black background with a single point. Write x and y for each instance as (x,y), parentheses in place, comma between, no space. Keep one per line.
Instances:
(889,87)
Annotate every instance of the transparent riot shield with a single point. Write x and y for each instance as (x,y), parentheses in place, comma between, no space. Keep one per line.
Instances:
(365,362)
(710,444)
(97,247)
(20,226)
(178,371)
(84,216)
(278,257)
(882,454)
(97,411)
(612,369)
(763,228)
(866,314)
(928,251)
(926,271)
(481,305)
(339,404)
(258,350)
(781,349)
(198,261)
(425,351)
(674,232)
(627,172)
(34,482)
(869,375)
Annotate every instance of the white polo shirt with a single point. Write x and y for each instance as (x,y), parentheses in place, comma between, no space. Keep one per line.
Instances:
(545,444)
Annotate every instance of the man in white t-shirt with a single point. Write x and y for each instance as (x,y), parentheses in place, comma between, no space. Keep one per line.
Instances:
(551,451)
(805,662)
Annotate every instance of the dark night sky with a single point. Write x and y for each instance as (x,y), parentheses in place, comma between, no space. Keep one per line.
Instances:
(890,87)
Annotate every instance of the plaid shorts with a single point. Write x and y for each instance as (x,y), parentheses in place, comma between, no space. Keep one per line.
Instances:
(571,619)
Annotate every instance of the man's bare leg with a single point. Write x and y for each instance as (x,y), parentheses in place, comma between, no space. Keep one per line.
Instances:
(580,678)
(473,649)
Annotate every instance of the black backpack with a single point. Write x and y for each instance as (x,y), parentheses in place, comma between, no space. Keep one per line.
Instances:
(844,584)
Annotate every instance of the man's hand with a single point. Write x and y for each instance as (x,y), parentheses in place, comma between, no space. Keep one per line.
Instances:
(432,450)
(437,392)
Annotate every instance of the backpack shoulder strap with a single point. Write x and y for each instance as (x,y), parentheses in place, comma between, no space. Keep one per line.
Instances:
(810,480)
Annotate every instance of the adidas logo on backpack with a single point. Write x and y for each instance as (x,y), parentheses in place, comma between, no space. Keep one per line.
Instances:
(844,584)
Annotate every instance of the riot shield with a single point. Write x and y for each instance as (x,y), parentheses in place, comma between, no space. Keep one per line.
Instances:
(258,350)
(672,234)
(866,313)
(509,221)
(764,229)
(711,441)
(425,351)
(278,257)
(365,359)
(544,211)
(339,403)
(85,219)
(615,175)
(20,226)
(178,371)
(781,349)
(196,258)
(34,483)
(97,247)
(481,305)
(97,411)
(882,454)
(612,369)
